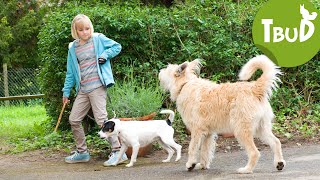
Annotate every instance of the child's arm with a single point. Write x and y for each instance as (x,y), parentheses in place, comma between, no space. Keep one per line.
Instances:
(69,80)
(112,48)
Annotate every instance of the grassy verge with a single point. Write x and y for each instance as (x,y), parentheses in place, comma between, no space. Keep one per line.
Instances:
(21,121)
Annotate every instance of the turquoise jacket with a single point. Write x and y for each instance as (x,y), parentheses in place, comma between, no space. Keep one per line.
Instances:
(105,48)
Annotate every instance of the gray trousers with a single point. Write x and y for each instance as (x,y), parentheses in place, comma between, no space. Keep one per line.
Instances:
(82,104)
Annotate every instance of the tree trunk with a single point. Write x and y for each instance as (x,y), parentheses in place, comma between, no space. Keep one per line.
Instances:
(5,84)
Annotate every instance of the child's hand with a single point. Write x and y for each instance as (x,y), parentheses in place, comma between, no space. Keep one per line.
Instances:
(101,60)
(65,100)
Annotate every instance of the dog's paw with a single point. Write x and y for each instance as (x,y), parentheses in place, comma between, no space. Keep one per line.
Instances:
(190,167)
(177,159)
(166,160)
(244,171)
(201,166)
(129,165)
(280,165)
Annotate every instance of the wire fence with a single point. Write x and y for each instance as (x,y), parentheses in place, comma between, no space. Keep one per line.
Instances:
(21,82)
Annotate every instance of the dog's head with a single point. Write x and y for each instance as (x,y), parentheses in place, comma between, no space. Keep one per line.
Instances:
(174,76)
(109,128)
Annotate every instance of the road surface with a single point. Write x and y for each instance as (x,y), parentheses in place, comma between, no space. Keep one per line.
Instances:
(303,162)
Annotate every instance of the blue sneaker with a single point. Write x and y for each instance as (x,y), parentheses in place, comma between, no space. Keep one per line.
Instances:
(113,157)
(77,157)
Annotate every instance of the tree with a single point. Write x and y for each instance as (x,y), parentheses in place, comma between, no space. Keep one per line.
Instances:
(19,27)
(5,38)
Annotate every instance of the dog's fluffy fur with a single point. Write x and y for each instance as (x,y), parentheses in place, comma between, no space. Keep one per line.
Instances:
(241,108)
(138,134)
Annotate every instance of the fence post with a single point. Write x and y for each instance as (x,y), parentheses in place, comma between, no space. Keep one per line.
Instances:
(5,80)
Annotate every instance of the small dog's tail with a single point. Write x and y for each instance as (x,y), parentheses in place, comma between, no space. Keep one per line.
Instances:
(171,116)
(269,78)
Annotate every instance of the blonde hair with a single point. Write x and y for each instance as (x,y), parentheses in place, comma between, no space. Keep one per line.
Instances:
(80,18)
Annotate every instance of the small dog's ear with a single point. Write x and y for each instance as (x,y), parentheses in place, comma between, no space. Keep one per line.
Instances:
(181,68)
(109,126)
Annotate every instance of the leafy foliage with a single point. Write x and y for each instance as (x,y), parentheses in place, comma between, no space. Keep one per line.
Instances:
(132,99)
(5,36)
(217,31)
(20,22)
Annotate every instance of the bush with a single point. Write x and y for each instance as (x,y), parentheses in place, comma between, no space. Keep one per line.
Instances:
(132,99)
(218,32)
(20,22)
(151,38)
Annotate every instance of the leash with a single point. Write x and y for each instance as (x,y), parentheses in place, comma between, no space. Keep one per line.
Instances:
(109,98)
(113,111)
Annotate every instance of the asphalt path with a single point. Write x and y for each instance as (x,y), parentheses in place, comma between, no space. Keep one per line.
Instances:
(303,162)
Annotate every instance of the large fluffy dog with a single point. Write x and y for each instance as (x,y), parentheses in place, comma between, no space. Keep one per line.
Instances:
(138,134)
(241,108)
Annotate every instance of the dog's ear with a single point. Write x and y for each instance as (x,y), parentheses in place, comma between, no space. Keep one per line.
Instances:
(195,66)
(103,124)
(108,126)
(181,68)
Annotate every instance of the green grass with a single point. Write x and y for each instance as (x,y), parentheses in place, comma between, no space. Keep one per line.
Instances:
(25,128)
(21,121)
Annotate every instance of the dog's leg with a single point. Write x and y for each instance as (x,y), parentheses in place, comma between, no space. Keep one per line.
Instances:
(245,138)
(135,150)
(168,149)
(193,149)
(265,134)
(169,141)
(178,149)
(207,152)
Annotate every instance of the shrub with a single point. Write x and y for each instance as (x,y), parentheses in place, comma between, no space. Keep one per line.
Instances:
(20,22)
(217,31)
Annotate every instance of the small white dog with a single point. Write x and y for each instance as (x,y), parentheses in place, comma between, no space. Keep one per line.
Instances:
(138,134)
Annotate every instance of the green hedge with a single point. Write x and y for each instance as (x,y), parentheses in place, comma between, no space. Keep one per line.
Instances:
(152,37)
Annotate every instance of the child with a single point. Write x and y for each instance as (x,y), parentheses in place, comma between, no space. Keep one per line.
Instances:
(89,69)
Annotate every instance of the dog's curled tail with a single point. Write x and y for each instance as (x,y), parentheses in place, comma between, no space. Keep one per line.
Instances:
(171,115)
(269,78)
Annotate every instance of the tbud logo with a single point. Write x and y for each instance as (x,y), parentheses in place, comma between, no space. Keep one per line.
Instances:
(287,31)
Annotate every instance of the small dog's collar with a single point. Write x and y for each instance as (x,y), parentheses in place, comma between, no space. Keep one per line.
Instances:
(168,122)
